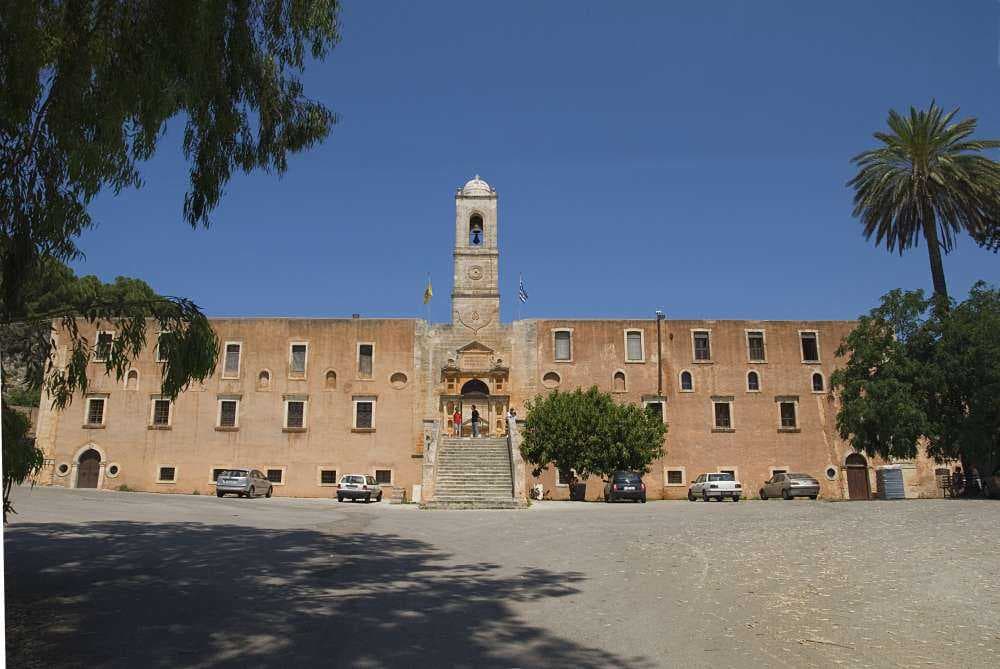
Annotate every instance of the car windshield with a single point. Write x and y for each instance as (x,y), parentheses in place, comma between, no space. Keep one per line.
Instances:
(721,477)
(800,476)
(234,473)
(627,478)
(353,479)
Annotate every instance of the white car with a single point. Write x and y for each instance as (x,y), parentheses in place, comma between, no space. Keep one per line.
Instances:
(358,486)
(716,485)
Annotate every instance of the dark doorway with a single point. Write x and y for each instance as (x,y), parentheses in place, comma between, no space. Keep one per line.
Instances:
(88,469)
(858,485)
(475,388)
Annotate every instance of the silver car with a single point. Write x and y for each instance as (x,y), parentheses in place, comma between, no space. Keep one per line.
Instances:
(358,486)
(243,483)
(788,486)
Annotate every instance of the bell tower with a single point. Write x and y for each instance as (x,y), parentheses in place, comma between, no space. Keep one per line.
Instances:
(475,295)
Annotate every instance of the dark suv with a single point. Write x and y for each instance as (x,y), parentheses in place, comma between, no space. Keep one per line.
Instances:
(625,485)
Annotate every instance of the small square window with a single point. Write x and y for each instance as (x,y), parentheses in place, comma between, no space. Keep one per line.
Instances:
(364,413)
(675,477)
(167,474)
(788,415)
(228,413)
(383,476)
(295,414)
(565,477)
(723,416)
(231,363)
(810,347)
(655,408)
(755,346)
(563,342)
(276,475)
(702,346)
(216,473)
(366,360)
(328,476)
(161,413)
(297,360)
(102,350)
(95,411)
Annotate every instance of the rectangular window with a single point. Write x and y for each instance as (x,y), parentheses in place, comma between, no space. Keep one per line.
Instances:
(675,477)
(364,413)
(229,412)
(162,346)
(328,477)
(217,472)
(655,408)
(276,475)
(167,474)
(702,346)
(755,346)
(295,414)
(564,477)
(366,360)
(161,413)
(563,345)
(231,364)
(633,346)
(95,410)
(297,360)
(102,351)
(810,346)
(723,415)
(383,476)
(788,415)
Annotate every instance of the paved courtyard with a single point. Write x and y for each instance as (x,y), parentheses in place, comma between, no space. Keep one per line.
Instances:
(130,579)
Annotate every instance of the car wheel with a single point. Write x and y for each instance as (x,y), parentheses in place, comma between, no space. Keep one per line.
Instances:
(251,492)
(785,494)
(763,495)
(736,498)
(368,498)
(219,494)
(813,496)
(269,492)
(704,496)
(379,498)
(690,496)
(340,498)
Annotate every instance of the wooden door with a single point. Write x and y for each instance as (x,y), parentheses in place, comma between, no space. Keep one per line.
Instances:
(858,486)
(88,469)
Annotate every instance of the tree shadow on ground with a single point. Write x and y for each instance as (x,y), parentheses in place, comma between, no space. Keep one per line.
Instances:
(168,595)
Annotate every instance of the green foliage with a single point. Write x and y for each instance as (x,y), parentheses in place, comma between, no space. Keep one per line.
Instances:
(23,397)
(124,488)
(586,431)
(917,374)
(21,458)
(928,179)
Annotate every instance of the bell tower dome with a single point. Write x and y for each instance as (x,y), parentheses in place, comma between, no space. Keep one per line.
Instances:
(475,295)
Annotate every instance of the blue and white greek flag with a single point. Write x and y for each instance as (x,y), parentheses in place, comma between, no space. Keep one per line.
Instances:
(522,294)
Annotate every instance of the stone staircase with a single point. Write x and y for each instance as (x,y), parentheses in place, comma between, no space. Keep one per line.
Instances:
(473,474)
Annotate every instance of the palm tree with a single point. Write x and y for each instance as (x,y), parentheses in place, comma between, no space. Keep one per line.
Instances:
(928,179)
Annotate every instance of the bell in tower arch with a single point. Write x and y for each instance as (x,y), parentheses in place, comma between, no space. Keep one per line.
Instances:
(476,230)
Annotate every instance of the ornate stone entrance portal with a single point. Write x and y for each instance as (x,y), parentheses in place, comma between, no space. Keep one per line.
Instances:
(477,378)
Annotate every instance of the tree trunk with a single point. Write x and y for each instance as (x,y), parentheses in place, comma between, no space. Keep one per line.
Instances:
(937,267)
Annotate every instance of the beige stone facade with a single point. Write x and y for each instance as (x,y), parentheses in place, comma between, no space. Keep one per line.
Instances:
(308,400)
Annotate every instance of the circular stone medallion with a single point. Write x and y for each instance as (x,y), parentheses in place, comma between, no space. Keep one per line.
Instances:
(475,272)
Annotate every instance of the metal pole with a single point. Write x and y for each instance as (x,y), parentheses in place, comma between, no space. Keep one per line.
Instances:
(659,355)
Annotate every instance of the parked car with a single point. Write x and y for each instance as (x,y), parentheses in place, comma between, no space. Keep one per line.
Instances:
(243,483)
(788,486)
(715,485)
(358,486)
(625,485)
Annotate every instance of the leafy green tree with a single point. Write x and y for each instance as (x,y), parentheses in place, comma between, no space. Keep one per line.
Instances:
(589,433)
(89,87)
(20,457)
(929,179)
(918,377)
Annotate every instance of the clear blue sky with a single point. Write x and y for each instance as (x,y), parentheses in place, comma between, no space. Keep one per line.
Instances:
(685,156)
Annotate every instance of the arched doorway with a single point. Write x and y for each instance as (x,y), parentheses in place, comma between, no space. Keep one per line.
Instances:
(88,469)
(475,393)
(858,484)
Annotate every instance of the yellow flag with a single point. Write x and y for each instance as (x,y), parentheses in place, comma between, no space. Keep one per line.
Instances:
(428,291)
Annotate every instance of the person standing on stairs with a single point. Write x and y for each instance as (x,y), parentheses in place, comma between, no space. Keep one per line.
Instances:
(475,421)
(456,422)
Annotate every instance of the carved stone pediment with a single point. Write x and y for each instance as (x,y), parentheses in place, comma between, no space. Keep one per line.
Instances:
(475,356)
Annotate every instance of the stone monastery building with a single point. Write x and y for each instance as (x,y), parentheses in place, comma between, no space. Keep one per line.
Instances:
(309,399)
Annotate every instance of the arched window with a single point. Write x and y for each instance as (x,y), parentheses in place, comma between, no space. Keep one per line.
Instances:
(331,379)
(475,387)
(132,380)
(551,380)
(619,382)
(476,230)
(818,385)
(687,383)
(753,381)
